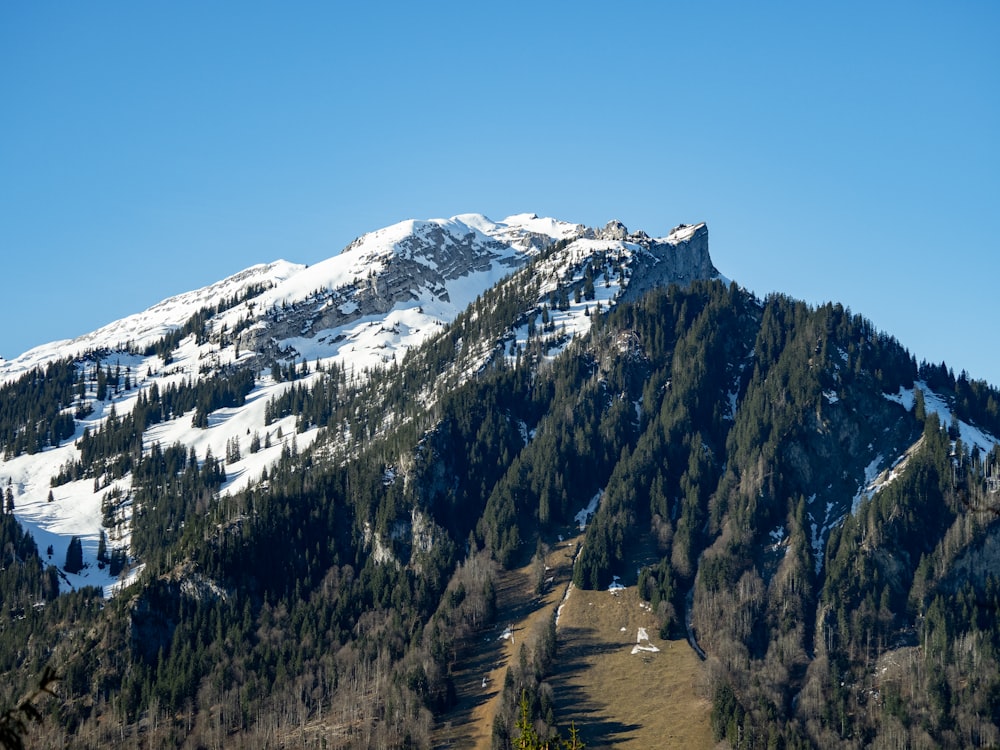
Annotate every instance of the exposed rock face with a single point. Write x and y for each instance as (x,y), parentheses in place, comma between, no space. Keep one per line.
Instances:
(151,621)
(680,258)
(416,269)
(976,563)
(419,266)
(613,230)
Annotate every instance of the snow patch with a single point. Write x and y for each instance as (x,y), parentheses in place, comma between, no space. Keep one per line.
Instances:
(562,604)
(870,485)
(816,537)
(733,404)
(584,515)
(642,643)
(935,404)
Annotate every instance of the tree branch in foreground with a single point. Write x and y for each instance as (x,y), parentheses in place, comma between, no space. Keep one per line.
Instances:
(14,721)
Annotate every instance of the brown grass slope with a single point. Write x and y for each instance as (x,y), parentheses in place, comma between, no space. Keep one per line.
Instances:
(616,698)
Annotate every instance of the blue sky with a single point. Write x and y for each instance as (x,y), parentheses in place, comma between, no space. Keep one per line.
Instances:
(838,151)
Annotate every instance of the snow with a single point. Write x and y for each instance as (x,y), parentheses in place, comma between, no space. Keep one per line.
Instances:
(557,230)
(870,485)
(585,514)
(569,267)
(616,585)
(76,507)
(562,604)
(480,223)
(734,396)
(681,233)
(642,643)
(148,327)
(936,404)
(818,533)
(361,343)
(877,476)
(291,283)
(370,341)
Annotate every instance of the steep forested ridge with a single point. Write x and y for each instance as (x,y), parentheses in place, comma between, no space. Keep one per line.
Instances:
(732,442)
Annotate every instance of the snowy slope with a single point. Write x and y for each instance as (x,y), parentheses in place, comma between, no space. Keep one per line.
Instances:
(145,328)
(386,292)
(451,280)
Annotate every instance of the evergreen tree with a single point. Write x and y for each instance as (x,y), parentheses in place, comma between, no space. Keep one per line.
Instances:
(74,556)
(102,549)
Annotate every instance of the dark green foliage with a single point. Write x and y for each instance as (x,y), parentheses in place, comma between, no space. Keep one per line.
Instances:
(74,556)
(525,714)
(727,436)
(34,409)
(974,401)
(24,579)
(657,585)
(727,715)
(112,451)
(169,485)
(29,591)
(228,390)
(674,467)
(907,517)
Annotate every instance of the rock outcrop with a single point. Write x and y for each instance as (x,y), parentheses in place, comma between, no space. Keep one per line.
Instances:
(679,258)
(417,268)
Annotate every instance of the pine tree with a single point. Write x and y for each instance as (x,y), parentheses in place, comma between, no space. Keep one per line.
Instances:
(573,742)
(102,548)
(74,556)
(102,384)
(527,738)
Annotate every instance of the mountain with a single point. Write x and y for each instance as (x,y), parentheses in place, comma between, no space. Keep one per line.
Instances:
(385,293)
(291,507)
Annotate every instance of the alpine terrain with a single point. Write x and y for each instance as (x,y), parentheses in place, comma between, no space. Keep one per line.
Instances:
(497,484)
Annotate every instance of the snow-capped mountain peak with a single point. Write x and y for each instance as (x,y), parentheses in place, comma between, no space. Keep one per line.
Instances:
(387,292)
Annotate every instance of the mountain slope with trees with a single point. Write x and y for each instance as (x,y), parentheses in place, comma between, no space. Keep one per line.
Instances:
(784,484)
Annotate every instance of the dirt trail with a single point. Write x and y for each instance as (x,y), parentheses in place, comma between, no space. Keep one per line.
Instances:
(649,698)
(470,723)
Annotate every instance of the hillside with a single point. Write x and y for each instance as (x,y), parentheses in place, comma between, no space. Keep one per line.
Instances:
(301,506)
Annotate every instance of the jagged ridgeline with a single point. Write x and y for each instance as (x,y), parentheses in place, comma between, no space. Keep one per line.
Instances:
(786,487)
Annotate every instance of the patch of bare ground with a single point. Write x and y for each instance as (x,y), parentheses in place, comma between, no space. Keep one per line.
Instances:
(617,698)
(620,696)
(479,673)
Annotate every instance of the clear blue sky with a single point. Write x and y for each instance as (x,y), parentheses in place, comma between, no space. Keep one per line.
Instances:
(839,151)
